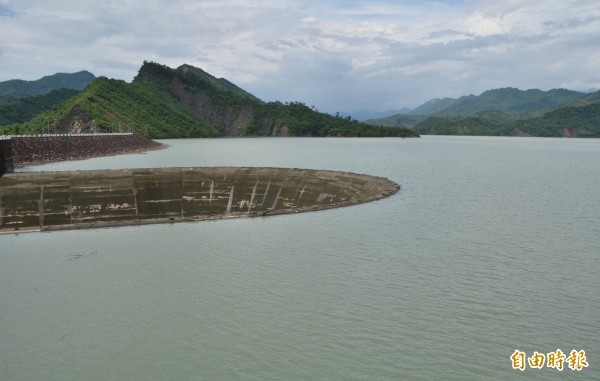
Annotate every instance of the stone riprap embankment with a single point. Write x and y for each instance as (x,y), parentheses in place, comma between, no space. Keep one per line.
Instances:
(63,200)
(46,149)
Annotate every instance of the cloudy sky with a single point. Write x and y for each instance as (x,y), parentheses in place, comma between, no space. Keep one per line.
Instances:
(338,55)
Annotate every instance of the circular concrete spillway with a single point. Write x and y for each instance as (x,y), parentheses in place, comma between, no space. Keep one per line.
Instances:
(63,200)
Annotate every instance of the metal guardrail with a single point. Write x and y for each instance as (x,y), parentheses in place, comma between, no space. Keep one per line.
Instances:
(8,137)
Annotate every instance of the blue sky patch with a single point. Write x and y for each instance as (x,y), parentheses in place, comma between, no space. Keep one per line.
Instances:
(5,11)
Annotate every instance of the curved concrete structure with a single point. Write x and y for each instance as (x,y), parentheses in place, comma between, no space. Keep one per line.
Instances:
(67,200)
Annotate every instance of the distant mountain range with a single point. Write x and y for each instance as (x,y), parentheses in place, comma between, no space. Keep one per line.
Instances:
(20,110)
(506,111)
(363,115)
(21,100)
(162,102)
(508,100)
(18,88)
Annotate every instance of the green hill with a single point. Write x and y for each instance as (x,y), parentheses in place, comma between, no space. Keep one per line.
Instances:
(20,110)
(508,100)
(109,105)
(17,88)
(398,120)
(484,123)
(570,121)
(567,121)
(506,111)
(162,102)
(436,106)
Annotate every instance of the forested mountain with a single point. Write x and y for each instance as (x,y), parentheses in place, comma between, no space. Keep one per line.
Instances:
(571,121)
(567,121)
(18,88)
(508,100)
(20,110)
(398,120)
(22,100)
(507,111)
(162,102)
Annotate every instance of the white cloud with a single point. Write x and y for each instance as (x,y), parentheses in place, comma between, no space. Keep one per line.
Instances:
(336,55)
(480,25)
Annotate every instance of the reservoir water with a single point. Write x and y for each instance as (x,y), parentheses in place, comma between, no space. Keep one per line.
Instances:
(491,246)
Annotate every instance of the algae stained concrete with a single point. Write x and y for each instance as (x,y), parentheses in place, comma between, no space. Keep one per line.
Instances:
(7,164)
(59,200)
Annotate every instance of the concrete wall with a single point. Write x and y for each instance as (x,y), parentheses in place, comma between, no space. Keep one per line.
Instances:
(28,150)
(6,157)
(55,200)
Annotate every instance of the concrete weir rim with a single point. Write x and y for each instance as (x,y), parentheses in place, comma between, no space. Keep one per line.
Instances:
(61,200)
